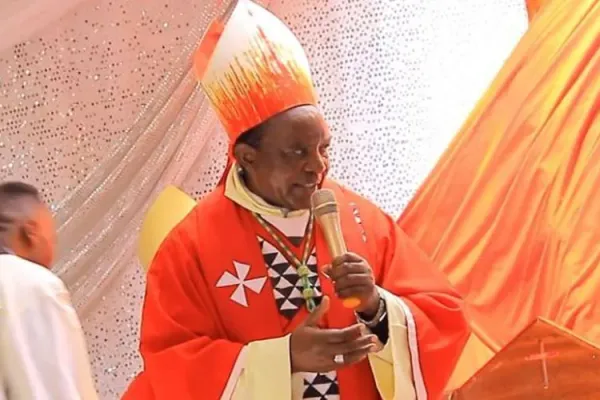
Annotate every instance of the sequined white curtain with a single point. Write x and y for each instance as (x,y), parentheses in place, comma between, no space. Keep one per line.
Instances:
(98,108)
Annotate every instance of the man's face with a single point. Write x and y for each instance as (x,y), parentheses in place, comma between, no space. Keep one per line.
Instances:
(291,160)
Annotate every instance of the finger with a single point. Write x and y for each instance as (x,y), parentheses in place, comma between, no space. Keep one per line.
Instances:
(352,280)
(351,346)
(358,292)
(339,271)
(327,271)
(347,258)
(318,313)
(332,336)
(359,354)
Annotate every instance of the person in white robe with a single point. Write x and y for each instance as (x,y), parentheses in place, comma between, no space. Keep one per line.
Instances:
(43,354)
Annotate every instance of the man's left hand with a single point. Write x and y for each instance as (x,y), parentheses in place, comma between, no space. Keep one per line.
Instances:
(353,277)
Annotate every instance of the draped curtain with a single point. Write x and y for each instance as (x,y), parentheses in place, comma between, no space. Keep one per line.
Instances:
(510,212)
(534,6)
(99,109)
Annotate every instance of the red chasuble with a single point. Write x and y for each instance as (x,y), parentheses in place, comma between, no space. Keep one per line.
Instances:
(194,327)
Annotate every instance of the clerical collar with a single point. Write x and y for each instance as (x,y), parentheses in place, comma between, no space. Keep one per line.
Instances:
(237,191)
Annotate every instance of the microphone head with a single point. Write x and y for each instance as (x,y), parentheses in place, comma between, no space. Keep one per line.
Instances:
(323,202)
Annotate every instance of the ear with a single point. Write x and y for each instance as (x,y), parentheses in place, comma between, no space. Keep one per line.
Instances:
(245,155)
(28,232)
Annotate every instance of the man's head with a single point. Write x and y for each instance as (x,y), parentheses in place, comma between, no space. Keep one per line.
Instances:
(285,158)
(26,224)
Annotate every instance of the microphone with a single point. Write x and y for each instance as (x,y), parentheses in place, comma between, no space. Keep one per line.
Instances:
(325,210)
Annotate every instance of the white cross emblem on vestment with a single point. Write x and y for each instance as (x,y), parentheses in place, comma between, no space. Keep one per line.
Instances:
(239,294)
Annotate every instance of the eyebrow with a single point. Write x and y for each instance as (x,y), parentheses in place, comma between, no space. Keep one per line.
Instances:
(298,145)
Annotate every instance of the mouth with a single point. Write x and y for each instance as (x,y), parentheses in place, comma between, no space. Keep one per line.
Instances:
(309,187)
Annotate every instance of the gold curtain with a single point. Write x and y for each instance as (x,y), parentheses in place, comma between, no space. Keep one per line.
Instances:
(511,212)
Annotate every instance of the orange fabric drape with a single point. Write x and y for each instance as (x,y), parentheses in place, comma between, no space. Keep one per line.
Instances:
(511,213)
(533,6)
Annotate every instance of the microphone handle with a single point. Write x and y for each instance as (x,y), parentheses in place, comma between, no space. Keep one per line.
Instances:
(337,248)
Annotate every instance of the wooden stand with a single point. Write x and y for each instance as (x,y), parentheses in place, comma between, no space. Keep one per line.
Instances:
(542,362)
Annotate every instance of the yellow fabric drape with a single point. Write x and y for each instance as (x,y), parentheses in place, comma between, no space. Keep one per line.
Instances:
(511,213)
(170,207)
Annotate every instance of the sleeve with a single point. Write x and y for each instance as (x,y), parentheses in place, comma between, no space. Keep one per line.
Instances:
(425,313)
(265,355)
(46,347)
(184,345)
(391,366)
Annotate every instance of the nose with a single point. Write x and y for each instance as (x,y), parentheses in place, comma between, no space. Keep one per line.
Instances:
(317,163)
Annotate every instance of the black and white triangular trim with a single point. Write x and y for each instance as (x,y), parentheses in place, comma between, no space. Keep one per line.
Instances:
(287,288)
(321,386)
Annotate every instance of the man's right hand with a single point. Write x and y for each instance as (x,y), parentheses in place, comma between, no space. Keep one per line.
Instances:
(313,349)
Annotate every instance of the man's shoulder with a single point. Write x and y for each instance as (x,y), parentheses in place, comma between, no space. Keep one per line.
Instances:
(209,213)
(212,206)
(25,272)
(351,197)
(27,279)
